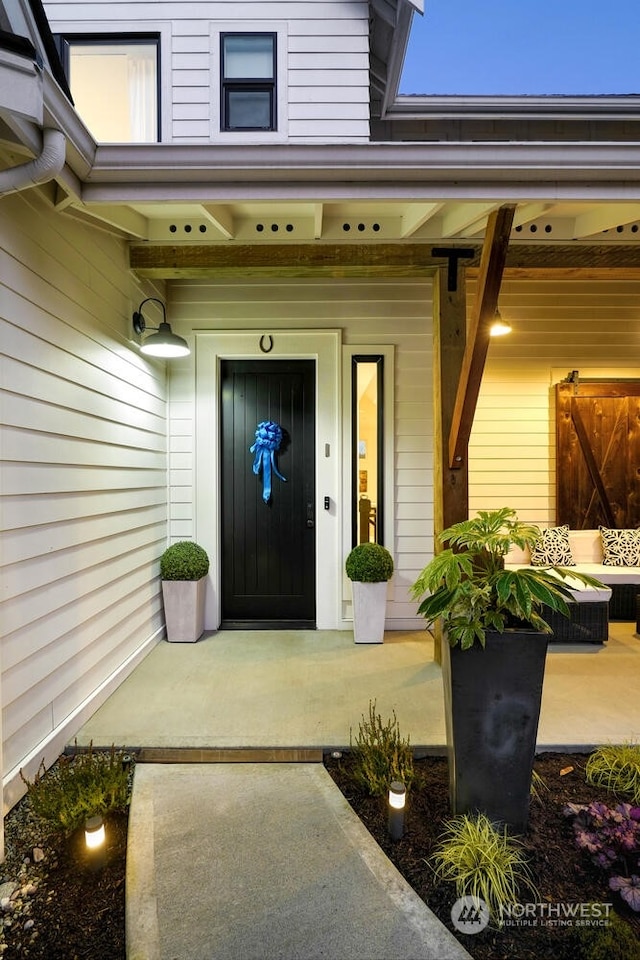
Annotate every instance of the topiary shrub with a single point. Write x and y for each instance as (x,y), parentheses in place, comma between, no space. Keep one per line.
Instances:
(184,560)
(369,563)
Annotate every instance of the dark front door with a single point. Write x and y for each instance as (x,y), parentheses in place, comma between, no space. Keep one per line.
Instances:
(598,453)
(268,538)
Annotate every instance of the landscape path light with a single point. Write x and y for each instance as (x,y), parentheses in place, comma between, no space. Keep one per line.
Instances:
(94,834)
(397,800)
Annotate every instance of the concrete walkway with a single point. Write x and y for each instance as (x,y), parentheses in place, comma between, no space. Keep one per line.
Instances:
(265,860)
(242,861)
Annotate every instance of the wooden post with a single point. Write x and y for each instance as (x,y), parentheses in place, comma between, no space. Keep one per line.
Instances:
(494,255)
(451,487)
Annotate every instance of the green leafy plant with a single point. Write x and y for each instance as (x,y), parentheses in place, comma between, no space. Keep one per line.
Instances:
(468,586)
(79,786)
(381,754)
(369,563)
(616,767)
(482,862)
(184,560)
(614,941)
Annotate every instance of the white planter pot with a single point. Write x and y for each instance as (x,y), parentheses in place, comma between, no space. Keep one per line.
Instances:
(184,609)
(369,609)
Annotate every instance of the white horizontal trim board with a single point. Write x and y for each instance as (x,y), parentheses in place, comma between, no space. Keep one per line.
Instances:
(84,480)
(17,614)
(21,577)
(29,511)
(53,478)
(558,326)
(38,447)
(19,545)
(187,11)
(43,384)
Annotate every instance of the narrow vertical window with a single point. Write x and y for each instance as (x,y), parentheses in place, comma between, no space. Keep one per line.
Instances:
(114,84)
(248,82)
(367,449)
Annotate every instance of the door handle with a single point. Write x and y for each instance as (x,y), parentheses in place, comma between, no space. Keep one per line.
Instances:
(310,518)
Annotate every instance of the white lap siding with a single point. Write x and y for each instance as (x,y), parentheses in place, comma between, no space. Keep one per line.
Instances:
(83,481)
(323,63)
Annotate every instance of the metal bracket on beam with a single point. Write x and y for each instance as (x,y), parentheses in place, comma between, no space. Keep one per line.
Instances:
(453,254)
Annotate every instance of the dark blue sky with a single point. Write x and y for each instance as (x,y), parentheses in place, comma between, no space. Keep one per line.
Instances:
(523,47)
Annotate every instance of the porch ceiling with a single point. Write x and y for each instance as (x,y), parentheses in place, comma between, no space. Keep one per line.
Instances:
(385,221)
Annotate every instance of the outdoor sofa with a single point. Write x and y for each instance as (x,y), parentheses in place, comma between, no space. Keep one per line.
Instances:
(611,556)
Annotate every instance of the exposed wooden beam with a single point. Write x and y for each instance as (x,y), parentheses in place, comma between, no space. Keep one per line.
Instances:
(404,259)
(328,259)
(494,254)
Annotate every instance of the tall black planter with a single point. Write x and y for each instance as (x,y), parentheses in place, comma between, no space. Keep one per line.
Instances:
(492,707)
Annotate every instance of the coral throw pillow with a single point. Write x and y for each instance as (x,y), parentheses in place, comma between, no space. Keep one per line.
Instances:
(620,548)
(552,549)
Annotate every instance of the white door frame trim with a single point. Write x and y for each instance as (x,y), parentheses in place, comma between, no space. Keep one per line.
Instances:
(323,346)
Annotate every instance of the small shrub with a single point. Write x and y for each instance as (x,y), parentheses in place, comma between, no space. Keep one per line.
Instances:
(369,563)
(80,786)
(616,767)
(482,862)
(184,561)
(616,941)
(381,754)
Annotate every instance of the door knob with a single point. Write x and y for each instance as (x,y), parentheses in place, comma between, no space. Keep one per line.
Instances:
(310,518)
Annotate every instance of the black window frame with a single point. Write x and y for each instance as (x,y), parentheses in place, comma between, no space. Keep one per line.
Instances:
(64,41)
(248,84)
(378,360)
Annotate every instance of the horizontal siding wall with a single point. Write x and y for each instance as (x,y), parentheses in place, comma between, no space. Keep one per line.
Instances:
(592,326)
(83,482)
(323,74)
(394,313)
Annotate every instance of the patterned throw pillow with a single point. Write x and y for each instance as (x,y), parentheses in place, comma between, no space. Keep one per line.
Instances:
(621,548)
(552,548)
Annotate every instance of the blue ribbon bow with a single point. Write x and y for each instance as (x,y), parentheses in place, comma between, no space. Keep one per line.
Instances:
(268,440)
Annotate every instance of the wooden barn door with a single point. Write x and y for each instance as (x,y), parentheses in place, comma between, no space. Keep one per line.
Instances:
(268,547)
(598,454)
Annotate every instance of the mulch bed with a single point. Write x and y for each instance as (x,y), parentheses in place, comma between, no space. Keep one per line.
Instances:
(64,909)
(562,873)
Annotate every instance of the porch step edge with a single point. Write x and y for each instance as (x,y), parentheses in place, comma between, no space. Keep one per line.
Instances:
(229,755)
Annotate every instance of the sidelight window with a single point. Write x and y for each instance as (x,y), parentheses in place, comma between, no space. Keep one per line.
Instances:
(367,377)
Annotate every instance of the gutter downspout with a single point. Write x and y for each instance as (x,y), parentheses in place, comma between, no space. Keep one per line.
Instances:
(41,169)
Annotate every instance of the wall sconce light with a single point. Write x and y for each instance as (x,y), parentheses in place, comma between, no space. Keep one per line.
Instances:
(499,327)
(164,343)
(94,835)
(397,799)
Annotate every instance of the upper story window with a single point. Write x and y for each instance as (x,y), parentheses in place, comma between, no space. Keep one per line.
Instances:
(114,85)
(248,81)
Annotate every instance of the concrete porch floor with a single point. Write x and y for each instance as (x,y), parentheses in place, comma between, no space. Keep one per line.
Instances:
(311,688)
